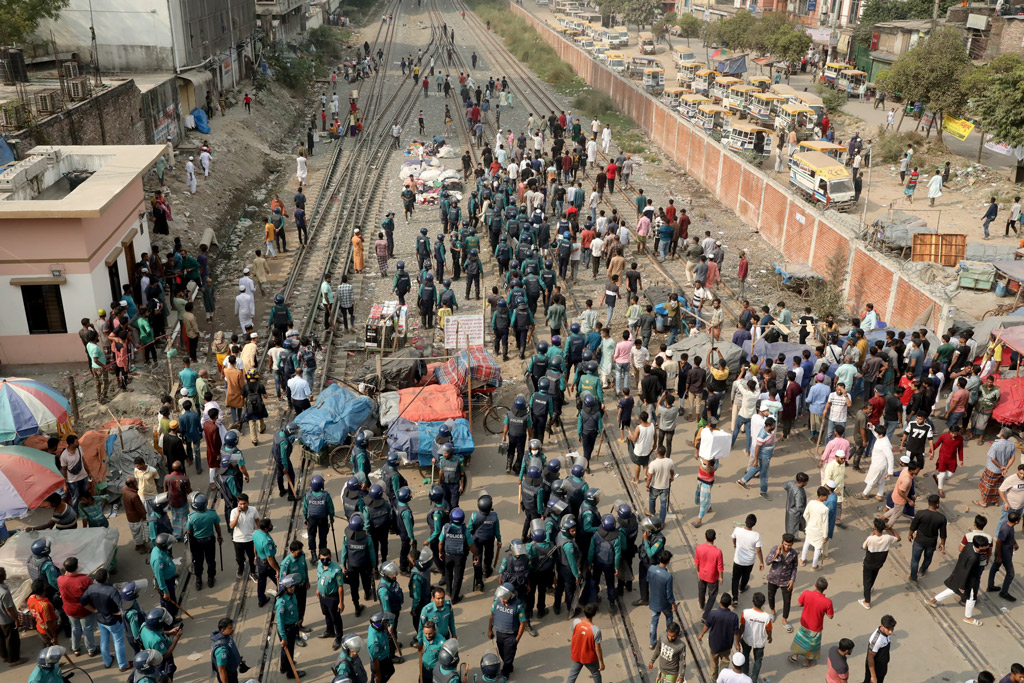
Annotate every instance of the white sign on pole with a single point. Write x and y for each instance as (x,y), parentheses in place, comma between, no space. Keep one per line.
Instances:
(463,331)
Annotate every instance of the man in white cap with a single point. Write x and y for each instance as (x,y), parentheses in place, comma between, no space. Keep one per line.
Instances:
(205,158)
(250,352)
(245,307)
(735,674)
(246,281)
(190,175)
(881,465)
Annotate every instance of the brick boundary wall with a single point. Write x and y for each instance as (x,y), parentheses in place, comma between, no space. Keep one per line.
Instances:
(800,232)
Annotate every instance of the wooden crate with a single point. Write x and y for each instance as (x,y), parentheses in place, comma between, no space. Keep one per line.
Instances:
(944,249)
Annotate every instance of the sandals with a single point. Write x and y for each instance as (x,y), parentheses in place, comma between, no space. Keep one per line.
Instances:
(972,621)
(788,627)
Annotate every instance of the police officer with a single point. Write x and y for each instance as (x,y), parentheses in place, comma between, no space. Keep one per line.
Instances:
(604,557)
(287,612)
(534,287)
(132,616)
(444,435)
(522,321)
(280,317)
(484,530)
(490,669)
(532,497)
(518,429)
(555,349)
(232,473)
(157,519)
(552,473)
(447,296)
(349,663)
(200,528)
(541,553)
(651,546)
(439,611)
(352,498)
(41,566)
(507,623)
(225,659)
(589,383)
(157,634)
(575,488)
(590,517)
(542,405)
(388,225)
(474,269)
(457,255)
(390,594)
(436,519)
(538,365)
(439,257)
(360,459)
(419,589)
(556,383)
(454,544)
(318,511)
(48,666)
(379,512)
(282,449)
(574,346)
(427,299)
(589,425)
(447,668)
(401,284)
(564,250)
(164,572)
(358,560)
(391,479)
(422,249)
(501,323)
(266,559)
(429,650)
(148,665)
(503,254)
(548,279)
(404,519)
(330,591)
(629,525)
(294,563)
(452,475)
(380,639)
(568,564)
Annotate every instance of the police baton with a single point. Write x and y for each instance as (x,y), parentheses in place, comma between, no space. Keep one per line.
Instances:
(291,662)
(184,611)
(220,548)
(335,539)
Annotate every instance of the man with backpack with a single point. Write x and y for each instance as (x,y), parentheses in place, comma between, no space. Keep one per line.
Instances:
(401,284)
(280,317)
(72,465)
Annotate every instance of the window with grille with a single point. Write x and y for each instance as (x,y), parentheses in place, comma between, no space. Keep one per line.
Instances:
(44,309)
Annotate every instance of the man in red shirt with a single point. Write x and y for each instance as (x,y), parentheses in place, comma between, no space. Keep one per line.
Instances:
(585,650)
(682,229)
(670,211)
(807,641)
(211,430)
(951,453)
(610,171)
(71,586)
(562,121)
(708,560)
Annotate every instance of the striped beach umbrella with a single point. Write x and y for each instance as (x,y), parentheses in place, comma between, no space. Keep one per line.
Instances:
(27,477)
(29,407)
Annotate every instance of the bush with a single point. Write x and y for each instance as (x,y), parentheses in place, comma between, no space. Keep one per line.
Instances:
(327,42)
(825,296)
(833,99)
(889,146)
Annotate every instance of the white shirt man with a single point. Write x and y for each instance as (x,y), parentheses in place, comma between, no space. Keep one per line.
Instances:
(591,151)
(299,388)
(243,523)
(245,307)
(190,175)
(246,282)
(205,159)
(606,138)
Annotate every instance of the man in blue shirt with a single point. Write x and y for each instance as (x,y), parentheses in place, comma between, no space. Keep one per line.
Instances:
(817,397)
(662,597)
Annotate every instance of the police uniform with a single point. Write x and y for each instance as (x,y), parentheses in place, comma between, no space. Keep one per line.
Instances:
(542,575)
(352,502)
(166,576)
(330,581)
(132,617)
(419,595)
(401,284)
(352,667)
(630,529)
(403,514)
(378,644)
(538,367)
(436,519)
(484,530)
(522,321)
(474,270)
(589,524)
(575,489)
(360,460)
(265,549)
(518,423)
(282,450)
(442,617)
(451,480)
(224,652)
(298,566)
(455,543)
(201,530)
(604,556)
(431,649)
(161,642)
(589,425)
(391,598)
(287,610)
(568,571)
(426,300)
(541,406)
(378,514)
(358,558)
(574,346)
(506,621)
(501,323)
(318,511)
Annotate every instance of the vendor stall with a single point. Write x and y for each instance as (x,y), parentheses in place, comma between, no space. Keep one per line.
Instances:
(386,326)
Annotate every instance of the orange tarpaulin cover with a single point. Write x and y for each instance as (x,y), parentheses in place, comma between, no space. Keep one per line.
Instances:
(434,403)
(93,444)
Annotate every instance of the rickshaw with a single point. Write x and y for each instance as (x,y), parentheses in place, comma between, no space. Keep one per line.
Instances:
(762,83)
(796,116)
(654,81)
(831,71)
(812,102)
(720,88)
(637,65)
(615,61)
(688,104)
(737,99)
(703,79)
(746,137)
(762,107)
(646,42)
(821,180)
(713,119)
(837,152)
(672,97)
(850,81)
(682,55)
(685,73)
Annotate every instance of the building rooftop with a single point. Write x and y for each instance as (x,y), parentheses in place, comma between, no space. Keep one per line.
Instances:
(72,181)
(909,24)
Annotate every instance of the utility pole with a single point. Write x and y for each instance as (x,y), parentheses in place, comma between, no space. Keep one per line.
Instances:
(935,16)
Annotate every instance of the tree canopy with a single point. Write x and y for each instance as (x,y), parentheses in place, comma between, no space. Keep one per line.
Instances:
(689,26)
(20,18)
(997,98)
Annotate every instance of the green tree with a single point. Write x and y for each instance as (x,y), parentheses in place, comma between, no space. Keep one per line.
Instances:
(689,26)
(936,72)
(997,102)
(665,24)
(735,32)
(789,43)
(639,12)
(20,18)
(764,29)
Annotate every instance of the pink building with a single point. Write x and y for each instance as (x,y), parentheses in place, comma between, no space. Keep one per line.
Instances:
(74,222)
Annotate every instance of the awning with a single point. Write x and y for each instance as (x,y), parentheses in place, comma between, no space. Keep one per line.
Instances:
(1012,337)
(1011,269)
(883,56)
(196,76)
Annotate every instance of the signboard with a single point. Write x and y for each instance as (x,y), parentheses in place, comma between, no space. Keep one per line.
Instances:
(811,6)
(874,40)
(463,331)
(958,128)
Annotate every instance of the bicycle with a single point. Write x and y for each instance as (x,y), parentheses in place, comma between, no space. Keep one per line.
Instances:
(482,403)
